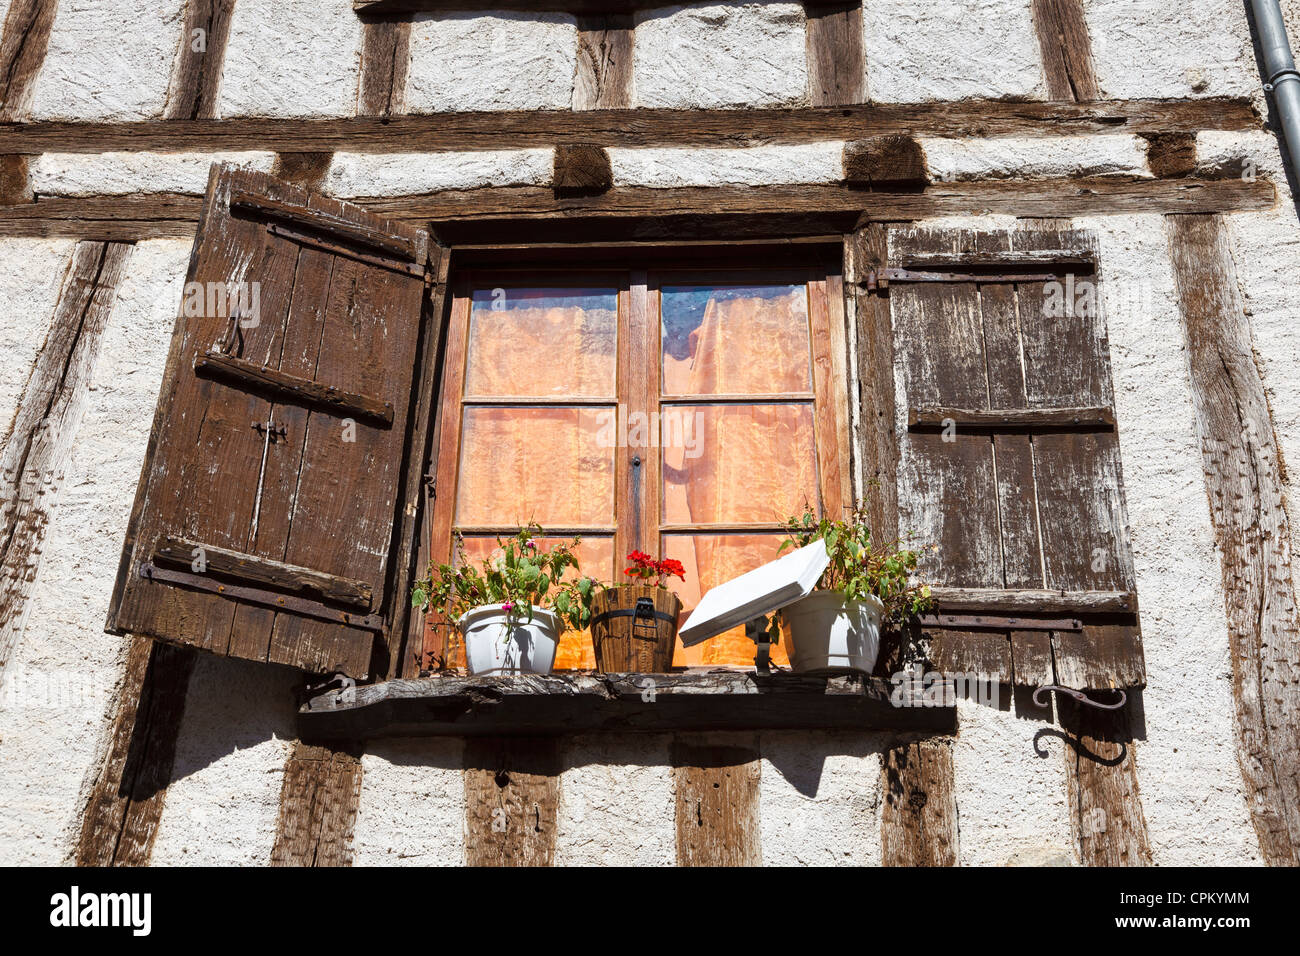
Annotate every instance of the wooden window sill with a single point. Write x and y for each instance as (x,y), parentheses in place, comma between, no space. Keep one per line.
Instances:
(718,699)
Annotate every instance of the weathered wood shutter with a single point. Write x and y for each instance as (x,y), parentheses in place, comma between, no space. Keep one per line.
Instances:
(1010,460)
(284,464)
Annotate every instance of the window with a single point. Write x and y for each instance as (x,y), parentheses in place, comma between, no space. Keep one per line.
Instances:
(682,411)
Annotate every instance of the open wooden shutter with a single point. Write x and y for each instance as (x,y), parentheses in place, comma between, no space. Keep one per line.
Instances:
(1010,459)
(284,464)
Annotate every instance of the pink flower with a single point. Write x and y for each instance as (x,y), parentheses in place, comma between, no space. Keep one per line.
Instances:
(508,606)
(530,544)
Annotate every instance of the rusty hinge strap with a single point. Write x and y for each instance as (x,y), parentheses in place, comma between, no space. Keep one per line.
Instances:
(261,597)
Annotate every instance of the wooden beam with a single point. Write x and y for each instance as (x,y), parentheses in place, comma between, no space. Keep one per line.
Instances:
(581,171)
(1033,601)
(512,799)
(318,806)
(533,705)
(179,552)
(289,389)
(652,127)
(526,213)
(1243,481)
(603,79)
(1106,815)
(196,73)
(1171,154)
(32,461)
(25,38)
(716,790)
(885,161)
(126,800)
(385,57)
(837,69)
(302,169)
(1016,419)
(918,822)
(15,184)
(1066,50)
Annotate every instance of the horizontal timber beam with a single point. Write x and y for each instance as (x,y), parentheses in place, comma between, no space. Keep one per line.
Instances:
(643,127)
(531,213)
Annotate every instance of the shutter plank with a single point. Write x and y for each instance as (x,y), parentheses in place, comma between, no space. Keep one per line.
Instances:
(331,315)
(1081,512)
(1022,564)
(297,353)
(344,505)
(206,435)
(948,498)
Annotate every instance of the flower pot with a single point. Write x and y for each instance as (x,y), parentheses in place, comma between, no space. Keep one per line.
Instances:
(628,641)
(825,633)
(497,643)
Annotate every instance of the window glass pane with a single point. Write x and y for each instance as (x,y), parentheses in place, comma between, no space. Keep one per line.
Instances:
(735,339)
(738,463)
(554,466)
(596,557)
(542,343)
(710,560)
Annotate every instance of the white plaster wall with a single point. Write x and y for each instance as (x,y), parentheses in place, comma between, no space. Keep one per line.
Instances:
(1266,251)
(755,166)
(1152,48)
(1011,788)
(109,60)
(412,808)
(720,55)
(57,700)
(224,798)
(617,802)
(291,58)
(819,798)
(491,61)
(951,50)
(950,160)
(31,275)
(1192,791)
(367,174)
(118,174)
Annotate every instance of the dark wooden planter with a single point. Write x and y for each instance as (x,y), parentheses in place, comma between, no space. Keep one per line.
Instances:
(628,642)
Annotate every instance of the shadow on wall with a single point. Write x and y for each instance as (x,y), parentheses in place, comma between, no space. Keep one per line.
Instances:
(234,706)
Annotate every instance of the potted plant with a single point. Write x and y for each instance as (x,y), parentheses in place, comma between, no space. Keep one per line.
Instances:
(634,625)
(866,583)
(513,606)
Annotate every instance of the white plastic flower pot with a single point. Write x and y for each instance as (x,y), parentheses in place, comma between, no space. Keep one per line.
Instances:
(825,633)
(497,643)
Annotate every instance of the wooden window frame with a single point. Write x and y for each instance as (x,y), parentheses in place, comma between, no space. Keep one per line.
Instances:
(639,275)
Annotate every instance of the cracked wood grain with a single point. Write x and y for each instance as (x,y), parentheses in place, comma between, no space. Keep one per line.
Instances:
(1243,483)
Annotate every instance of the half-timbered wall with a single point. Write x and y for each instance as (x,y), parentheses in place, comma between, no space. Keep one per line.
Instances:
(1003,790)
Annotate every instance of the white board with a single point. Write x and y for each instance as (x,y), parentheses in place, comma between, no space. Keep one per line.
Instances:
(761,591)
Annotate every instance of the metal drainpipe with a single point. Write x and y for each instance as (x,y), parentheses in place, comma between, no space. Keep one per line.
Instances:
(1281,78)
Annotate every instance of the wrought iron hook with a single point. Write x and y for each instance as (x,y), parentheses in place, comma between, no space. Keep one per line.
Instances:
(1080,696)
